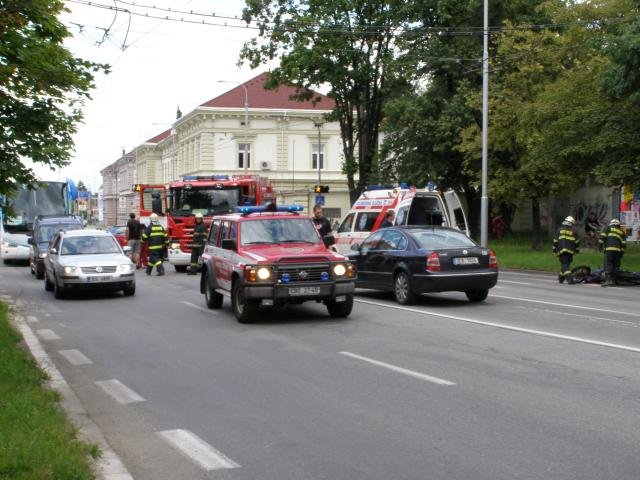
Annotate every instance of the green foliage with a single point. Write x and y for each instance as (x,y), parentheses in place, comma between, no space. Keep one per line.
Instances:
(42,89)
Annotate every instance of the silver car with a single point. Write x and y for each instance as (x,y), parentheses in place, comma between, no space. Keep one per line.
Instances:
(87,260)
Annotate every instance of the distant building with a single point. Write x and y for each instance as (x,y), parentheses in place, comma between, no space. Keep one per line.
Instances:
(118,199)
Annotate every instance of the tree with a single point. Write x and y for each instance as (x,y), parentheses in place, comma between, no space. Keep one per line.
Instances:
(42,89)
(348,46)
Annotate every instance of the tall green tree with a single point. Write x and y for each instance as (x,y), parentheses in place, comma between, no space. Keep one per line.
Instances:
(42,89)
(345,45)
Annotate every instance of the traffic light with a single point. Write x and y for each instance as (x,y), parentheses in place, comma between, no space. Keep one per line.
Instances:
(321,189)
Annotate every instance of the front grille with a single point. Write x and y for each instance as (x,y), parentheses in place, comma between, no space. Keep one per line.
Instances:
(303,273)
(109,269)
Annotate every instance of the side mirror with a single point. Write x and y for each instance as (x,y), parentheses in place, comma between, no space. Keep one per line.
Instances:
(229,244)
(126,249)
(30,241)
(53,251)
(329,240)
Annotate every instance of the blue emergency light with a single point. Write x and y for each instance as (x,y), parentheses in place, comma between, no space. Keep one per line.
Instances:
(378,187)
(190,178)
(263,208)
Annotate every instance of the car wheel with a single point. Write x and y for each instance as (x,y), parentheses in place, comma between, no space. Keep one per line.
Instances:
(58,291)
(245,310)
(39,272)
(477,295)
(341,309)
(48,286)
(33,272)
(213,298)
(180,268)
(402,289)
(130,291)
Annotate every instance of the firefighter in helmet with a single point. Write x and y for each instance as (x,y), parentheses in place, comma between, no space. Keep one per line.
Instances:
(156,238)
(612,242)
(565,246)
(199,237)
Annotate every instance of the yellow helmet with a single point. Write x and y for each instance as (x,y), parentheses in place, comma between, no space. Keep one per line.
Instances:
(153,218)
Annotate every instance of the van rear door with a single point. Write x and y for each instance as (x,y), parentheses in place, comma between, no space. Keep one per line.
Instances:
(456,212)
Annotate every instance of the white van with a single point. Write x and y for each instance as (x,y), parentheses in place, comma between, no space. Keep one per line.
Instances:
(413,206)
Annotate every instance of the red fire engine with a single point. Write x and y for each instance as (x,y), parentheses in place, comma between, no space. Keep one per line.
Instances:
(177,205)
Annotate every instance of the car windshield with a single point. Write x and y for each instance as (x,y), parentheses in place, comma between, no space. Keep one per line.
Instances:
(207,201)
(436,239)
(46,232)
(275,230)
(117,230)
(89,245)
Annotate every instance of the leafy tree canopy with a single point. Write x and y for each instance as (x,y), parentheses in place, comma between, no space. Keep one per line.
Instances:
(42,89)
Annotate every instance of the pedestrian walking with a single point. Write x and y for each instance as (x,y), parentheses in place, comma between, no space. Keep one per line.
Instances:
(134,232)
(389,218)
(565,246)
(612,242)
(156,238)
(197,246)
(320,221)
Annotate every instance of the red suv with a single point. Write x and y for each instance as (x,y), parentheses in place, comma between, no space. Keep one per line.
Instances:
(271,258)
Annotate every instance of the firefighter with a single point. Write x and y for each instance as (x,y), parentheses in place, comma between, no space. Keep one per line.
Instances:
(199,237)
(612,242)
(565,246)
(156,238)
(156,203)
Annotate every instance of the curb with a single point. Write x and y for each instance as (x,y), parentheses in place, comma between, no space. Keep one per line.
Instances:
(108,466)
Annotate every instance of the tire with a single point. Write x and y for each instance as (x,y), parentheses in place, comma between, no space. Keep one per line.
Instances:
(180,268)
(212,298)
(477,295)
(58,291)
(33,271)
(48,286)
(402,289)
(341,309)
(129,291)
(39,272)
(245,310)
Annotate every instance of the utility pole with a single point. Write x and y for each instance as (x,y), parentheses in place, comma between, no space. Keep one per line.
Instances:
(484,198)
(318,126)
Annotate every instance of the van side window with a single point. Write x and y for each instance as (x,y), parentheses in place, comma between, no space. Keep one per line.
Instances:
(460,221)
(224,233)
(365,221)
(401,216)
(426,211)
(347,223)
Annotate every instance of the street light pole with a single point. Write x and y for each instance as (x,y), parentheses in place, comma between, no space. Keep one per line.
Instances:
(245,159)
(484,199)
(319,125)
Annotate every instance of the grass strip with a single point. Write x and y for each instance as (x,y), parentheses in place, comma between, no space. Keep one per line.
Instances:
(37,440)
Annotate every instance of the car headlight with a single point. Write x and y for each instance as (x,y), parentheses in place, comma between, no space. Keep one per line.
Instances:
(175,245)
(253,274)
(43,255)
(264,273)
(125,268)
(71,270)
(339,270)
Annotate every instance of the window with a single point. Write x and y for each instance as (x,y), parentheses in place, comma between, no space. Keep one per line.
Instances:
(242,149)
(318,148)
(365,221)
(213,232)
(347,223)
(372,242)
(393,240)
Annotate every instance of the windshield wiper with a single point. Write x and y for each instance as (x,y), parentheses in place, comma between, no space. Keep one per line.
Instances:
(296,241)
(259,242)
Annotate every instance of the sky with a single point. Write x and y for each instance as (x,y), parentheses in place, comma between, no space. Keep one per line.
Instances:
(165,64)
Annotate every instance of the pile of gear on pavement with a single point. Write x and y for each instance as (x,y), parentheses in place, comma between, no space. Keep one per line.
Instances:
(612,242)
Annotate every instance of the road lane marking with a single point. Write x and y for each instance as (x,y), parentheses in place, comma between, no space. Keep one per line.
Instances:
(75,357)
(120,392)
(405,371)
(508,327)
(47,334)
(32,319)
(516,283)
(196,449)
(198,307)
(568,305)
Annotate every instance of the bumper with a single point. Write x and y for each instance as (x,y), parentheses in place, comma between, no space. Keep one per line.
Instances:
(15,253)
(443,282)
(297,292)
(178,257)
(99,282)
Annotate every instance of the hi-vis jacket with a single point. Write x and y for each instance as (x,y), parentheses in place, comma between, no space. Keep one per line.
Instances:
(613,239)
(199,235)
(565,241)
(155,236)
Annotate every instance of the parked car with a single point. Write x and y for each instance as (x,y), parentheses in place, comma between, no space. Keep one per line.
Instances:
(120,234)
(88,260)
(410,261)
(44,229)
(272,258)
(15,247)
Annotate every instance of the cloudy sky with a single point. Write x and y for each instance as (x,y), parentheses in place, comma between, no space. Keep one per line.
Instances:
(165,64)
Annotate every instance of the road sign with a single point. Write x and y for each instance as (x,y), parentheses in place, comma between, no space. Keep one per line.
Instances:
(319,199)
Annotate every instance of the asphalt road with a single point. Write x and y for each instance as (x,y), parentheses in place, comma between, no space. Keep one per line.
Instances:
(541,381)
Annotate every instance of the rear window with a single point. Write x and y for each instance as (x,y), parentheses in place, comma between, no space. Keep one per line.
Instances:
(46,232)
(436,239)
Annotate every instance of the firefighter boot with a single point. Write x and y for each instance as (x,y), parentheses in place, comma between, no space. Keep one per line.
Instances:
(561,278)
(193,269)
(149,269)
(607,280)
(160,270)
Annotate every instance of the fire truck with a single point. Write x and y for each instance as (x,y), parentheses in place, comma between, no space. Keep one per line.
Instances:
(179,202)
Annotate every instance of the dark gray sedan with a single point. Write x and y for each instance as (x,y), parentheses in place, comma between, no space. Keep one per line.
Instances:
(87,260)
(409,261)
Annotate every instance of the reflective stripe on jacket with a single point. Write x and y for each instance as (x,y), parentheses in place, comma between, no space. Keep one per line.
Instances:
(199,234)
(613,239)
(155,236)
(565,241)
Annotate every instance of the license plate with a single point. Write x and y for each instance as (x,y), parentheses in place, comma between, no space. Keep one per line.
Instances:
(304,291)
(95,279)
(465,261)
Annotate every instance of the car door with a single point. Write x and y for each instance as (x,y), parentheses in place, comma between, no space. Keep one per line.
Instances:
(456,213)
(223,259)
(366,259)
(393,247)
(51,260)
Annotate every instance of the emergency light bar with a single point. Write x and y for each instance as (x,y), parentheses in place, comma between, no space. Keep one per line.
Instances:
(263,208)
(379,187)
(190,178)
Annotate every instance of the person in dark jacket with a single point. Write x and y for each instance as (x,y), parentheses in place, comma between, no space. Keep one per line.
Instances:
(565,246)
(197,246)
(389,218)
(320,221)
(612,242)
(156,238)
